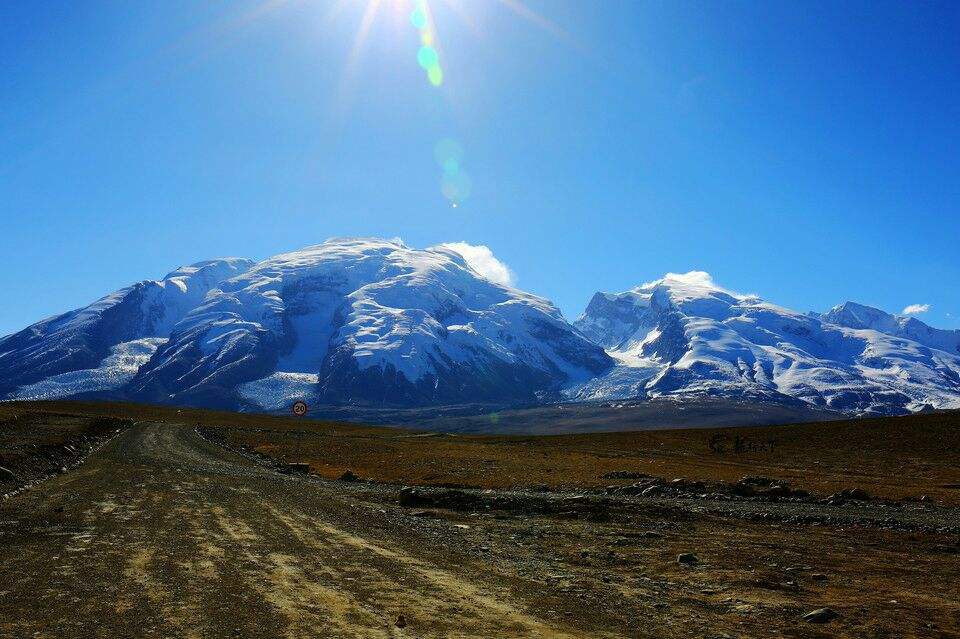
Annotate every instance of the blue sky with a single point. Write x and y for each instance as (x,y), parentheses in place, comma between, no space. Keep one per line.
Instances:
(806,152)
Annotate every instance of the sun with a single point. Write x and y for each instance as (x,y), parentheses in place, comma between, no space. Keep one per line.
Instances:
(421,18)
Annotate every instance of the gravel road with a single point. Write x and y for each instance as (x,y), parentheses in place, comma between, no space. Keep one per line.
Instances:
(162,533)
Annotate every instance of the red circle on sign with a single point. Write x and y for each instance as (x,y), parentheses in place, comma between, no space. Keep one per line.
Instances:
(299,408)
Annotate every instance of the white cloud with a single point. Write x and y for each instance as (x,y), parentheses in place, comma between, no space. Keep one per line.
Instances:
(483,261)
(913,309)
(697,278)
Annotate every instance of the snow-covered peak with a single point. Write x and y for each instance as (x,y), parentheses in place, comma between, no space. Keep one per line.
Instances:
(860,316)
(620,321)
(353,313)
(690,285)
(218,269)
(685,334)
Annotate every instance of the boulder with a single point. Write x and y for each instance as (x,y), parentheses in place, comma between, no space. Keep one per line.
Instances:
(298,468)
(451,499)
(820,615)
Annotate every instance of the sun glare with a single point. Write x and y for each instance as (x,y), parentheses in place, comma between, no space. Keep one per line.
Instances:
(455,183)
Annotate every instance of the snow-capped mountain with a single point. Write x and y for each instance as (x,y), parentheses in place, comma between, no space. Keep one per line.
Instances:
(101,347)
(684,335)
(376,324)
(361,322)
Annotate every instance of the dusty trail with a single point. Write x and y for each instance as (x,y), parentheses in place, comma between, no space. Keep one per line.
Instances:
(162,533)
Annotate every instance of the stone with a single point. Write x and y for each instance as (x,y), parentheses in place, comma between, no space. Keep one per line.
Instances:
(820,615)
(6,475)
(687,558)
(299,468)
(778,490)
(348,475)
(401,622)
(411,497)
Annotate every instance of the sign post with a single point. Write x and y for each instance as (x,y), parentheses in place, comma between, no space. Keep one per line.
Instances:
(299,408)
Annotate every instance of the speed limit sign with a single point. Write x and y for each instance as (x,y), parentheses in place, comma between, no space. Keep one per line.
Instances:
(299,408)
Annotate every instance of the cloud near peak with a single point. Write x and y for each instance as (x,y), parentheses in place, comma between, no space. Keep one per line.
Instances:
(696,278)
(483,261)
(913,309)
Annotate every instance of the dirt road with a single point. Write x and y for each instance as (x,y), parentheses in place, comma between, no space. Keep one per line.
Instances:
(161,533)
(164,534)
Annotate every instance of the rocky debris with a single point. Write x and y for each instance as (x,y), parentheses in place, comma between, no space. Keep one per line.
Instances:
(625,474)
(32,463)
(778,490)
(819,576)
(687,558)
(451,499)
(687,485)
(295,468)
(658,486)
(756,480)
(412,497)
(348,475)
(820,615)
(764,487)
(855,494)
(757,488)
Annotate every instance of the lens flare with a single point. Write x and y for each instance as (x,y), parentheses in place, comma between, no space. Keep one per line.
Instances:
(456,188)
(419,18)
(427,55)
(446,150)
(455,183)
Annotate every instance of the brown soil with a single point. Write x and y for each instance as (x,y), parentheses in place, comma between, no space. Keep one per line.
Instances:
(163,533)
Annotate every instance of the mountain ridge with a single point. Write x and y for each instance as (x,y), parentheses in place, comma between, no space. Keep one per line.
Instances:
(368,323)
(683,334)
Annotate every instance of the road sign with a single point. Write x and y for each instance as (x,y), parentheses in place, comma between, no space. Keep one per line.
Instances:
(299,408)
